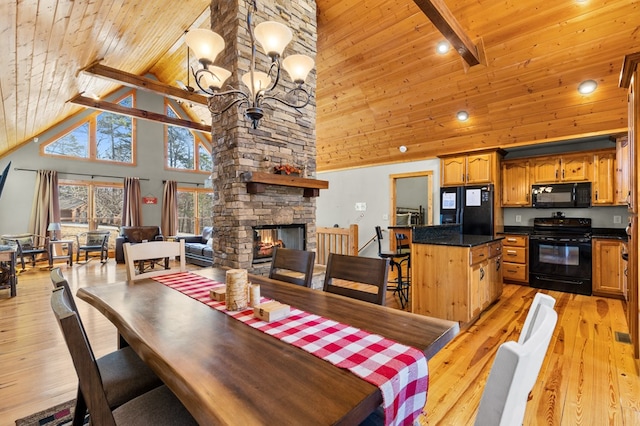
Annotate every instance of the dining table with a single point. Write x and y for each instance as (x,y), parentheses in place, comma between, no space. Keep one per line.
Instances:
(226,372)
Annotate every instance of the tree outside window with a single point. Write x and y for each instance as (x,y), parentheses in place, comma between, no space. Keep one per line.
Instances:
(195,207)
(183,150)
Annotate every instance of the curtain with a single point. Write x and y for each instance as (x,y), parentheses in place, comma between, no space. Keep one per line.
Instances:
(45,208)
(169,220)
(132,203)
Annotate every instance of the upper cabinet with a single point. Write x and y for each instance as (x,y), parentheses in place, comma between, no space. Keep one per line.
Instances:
(469,169)
(622,171)
(563,168)
(516,186)
(603,182)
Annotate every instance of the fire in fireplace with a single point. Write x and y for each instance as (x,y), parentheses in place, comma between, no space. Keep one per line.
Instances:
(266,237)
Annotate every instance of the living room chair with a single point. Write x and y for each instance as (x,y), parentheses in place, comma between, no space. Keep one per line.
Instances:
(30,246)
(137,254)
(514,372)
(397,259)
(349,270)
(135,235)
(288,264)
(154,406)
(93,242)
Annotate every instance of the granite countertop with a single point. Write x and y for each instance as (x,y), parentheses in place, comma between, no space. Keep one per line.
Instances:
(459,240)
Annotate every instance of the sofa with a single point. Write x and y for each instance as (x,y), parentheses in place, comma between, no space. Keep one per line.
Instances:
(198,247)
(136,234)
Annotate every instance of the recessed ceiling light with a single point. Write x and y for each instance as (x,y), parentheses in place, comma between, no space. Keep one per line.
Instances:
(443,47)
(462,115)
(587,86)
(403,149)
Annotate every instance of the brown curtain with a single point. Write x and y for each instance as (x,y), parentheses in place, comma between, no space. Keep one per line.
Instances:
(46,206)
(170,208)
(132,203)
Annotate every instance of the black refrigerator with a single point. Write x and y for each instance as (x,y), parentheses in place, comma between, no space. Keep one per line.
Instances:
(472,206)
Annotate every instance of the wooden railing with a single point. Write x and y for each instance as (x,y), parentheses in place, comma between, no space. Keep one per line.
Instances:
(336,240)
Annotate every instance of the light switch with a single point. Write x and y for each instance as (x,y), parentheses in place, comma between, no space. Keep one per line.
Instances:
(361,207)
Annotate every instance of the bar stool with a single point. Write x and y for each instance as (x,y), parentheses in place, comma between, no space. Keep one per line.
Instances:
(396,259)
(403,247)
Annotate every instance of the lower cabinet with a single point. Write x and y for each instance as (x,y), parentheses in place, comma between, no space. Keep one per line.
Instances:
(455,283)
(515,250)
(608,268)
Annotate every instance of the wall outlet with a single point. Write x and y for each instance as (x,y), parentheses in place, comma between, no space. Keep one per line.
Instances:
(518,218)
(361,207)
(617,219)
(385,217)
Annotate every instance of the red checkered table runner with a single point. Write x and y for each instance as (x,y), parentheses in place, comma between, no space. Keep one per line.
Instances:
(398,370)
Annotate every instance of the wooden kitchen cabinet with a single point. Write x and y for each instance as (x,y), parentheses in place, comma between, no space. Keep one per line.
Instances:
(516,186)
(469,169)
(603,184)
(461,290)
(622,189)
(515,254)
(564,168)
(608,268)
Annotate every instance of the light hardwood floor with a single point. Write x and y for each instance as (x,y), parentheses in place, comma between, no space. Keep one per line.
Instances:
(588,378)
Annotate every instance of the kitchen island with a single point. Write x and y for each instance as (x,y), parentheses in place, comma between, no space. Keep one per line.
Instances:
(454,276)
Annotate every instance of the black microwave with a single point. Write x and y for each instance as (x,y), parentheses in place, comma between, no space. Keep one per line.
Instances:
(561,195)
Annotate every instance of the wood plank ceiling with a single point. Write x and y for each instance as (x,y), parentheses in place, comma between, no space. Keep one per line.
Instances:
(380,83)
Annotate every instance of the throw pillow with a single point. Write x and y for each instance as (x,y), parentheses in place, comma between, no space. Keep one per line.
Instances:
(210,242)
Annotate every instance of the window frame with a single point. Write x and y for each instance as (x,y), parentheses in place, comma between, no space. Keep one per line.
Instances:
(198,143)
(197,220)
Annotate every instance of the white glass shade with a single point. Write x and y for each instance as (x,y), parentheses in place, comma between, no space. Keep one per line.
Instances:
(206,44)
(587,86)
(260,79)
(462,115)
(298,67)
(217,77)
(273,37)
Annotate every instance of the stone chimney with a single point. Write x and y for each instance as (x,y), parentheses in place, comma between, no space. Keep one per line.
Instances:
(284,136)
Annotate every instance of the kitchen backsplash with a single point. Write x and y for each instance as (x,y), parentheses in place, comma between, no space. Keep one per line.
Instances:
(601,217)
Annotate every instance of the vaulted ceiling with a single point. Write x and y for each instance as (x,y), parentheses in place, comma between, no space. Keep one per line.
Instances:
(380,82)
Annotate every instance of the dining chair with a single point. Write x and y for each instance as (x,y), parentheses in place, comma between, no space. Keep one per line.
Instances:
(288,264)
(399,285)
(527,328)
(136,255)
(156,405)
(124,375)
(93,242)
(514,372)
(349,270)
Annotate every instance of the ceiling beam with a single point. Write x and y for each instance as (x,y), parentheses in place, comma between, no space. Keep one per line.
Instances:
(138,113)
(440,15)
(143,83)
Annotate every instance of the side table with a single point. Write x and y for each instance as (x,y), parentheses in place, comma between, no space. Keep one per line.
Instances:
(64,244)
(8,278)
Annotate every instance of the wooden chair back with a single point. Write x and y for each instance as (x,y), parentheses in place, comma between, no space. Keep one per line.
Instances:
(288,264)
(514,372)
(135,253)
(90,381)
(347,270)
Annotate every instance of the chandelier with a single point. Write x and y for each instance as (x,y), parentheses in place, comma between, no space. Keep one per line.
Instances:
(273,38)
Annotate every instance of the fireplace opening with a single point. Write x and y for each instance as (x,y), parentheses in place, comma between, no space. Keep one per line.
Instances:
(266,237)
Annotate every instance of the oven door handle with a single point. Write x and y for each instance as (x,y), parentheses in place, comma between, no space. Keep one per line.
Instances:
(557,280)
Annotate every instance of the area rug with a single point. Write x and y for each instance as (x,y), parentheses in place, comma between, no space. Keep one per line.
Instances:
(59,415)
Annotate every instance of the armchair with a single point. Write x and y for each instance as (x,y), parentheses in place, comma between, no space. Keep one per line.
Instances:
(93,241)
(29,246)
(134,235)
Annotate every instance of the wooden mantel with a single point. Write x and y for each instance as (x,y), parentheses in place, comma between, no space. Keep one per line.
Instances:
(256,182)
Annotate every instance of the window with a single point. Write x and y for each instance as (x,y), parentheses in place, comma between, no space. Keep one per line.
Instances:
(195,210)
(101,137)
(183,150)
(90,206)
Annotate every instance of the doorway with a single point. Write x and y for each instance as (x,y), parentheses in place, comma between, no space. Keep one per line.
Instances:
(411,199)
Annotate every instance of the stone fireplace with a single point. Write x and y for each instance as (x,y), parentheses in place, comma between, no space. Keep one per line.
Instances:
(285,136)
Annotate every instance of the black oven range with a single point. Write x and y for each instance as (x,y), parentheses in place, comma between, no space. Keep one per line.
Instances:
(560,254)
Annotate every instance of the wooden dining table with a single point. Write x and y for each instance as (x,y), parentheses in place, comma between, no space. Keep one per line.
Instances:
(226,372)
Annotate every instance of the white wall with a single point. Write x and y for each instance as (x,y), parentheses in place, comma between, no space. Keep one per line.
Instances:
(370,185)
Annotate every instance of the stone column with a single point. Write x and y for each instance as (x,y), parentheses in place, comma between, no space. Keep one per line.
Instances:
(285,136)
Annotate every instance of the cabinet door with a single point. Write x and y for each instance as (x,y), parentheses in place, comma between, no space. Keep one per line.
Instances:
(453,171)
(479,168)
(477,282)
(515,184)
(575,168)
(608,268)
(622,170)
(546,170)
(495,278)
(603,179)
